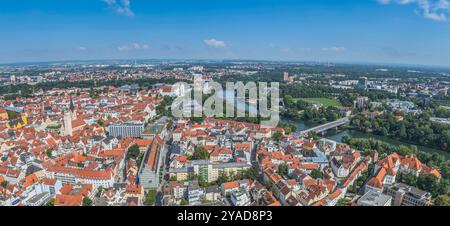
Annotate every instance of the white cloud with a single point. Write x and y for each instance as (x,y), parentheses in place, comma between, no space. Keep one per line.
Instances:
(81,48)
(215,43)
(437,10)
(334,49)
(123,48)
(286,50)
(134,46)
(403,2)
(120,6)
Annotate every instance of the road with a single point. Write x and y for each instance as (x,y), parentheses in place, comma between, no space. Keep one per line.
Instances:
(165,167)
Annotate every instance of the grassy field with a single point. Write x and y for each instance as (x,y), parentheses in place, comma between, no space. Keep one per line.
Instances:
(325,101)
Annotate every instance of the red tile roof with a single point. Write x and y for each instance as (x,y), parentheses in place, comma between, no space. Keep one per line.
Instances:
(68,200)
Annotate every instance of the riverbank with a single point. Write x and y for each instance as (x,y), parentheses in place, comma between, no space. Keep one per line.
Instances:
(337,136)
(301,125)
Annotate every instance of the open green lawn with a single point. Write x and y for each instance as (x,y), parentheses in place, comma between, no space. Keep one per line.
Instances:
(325,101)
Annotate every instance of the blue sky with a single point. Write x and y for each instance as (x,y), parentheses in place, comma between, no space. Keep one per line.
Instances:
(380,31)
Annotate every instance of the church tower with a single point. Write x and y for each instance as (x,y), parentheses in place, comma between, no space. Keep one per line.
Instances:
(67,123)
(72,109)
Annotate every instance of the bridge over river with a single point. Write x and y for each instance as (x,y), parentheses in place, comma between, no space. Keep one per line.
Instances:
(327,126)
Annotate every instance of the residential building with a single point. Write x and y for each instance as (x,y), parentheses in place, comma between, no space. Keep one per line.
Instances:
(130,129)
(405,195)
(373,198)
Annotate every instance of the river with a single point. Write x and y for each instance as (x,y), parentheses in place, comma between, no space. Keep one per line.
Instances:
(332,134)
(337,136)
(300,124)
(240,104)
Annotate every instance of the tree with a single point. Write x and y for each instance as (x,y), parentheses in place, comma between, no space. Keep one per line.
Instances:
(431,183)
(313,135)
(367,125)
(161,109)
(403,133)
(356,122)
(403,150)
(133,152)
(276,136)
(345,139)
(150,198)
(202,182)
(139,159)
(288,128)
(50,202)
(173,178)
(198,119)
(184,202)
(252,173)
(200,153)
(384,132)
(360,181)
(283,170)
(442,200)
(308,114)
(316,174)
(222,178)
(351,189)
(288,100)
(341,202)
(4,184)
(99,191)
(87,201)
(409,179)
(49,153)
(445,139)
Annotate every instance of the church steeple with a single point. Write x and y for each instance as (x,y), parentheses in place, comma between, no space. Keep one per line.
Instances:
(72,106)
(72,110)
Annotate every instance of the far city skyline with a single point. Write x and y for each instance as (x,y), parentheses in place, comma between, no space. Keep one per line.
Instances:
(377,31)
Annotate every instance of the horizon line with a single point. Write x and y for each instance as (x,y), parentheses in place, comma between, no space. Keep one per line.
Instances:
(230,59)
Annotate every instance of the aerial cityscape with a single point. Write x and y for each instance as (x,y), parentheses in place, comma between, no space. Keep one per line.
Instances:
(179,118)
